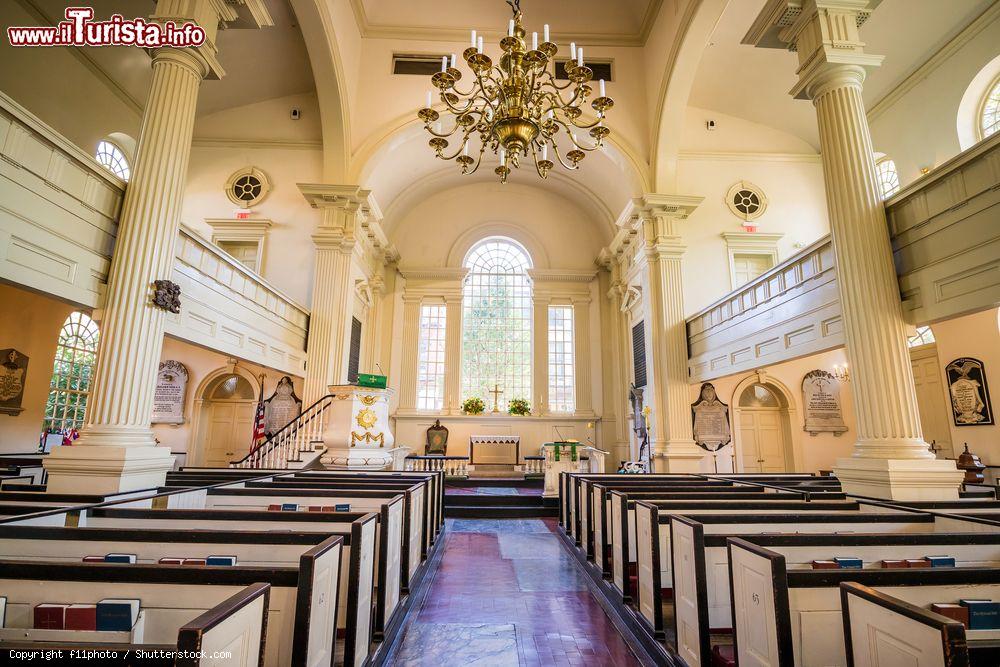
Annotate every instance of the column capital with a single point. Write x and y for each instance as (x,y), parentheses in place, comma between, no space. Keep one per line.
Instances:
(824,34)
(343,197)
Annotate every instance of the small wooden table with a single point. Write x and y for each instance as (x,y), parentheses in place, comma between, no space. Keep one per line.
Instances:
(483,449)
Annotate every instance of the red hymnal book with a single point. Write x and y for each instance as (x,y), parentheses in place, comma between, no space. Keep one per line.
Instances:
(917,562)
(171,561)
(329,508)
(825,565)
(93,559)
(315,508)
(274,508)
(894,563)
(193,561)
(50,616)
(955,611)
(81,617)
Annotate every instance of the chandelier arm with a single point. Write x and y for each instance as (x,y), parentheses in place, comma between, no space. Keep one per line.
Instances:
(465,139)
(482,150)
(552,81)
(588,126)
(571,166)
(534,155)
(573,140)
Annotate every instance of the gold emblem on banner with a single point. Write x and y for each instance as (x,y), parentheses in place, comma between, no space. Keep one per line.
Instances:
(369,400)
(367,438)
(366,418)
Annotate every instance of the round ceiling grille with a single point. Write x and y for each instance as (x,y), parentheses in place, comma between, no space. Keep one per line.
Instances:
(247,187)
(746,201)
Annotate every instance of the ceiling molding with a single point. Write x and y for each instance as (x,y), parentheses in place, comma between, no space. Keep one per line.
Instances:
(750,156)
(208,142)
(939,57)
(369,30)
(88,62)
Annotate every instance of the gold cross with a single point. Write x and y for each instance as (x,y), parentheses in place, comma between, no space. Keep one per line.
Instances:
(496,391)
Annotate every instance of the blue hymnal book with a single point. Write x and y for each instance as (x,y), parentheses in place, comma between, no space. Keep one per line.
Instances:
(118,615)
(119,558)
(849,563)
(983,614)
(345,507)
(941,561)
(220,560)
(289,507)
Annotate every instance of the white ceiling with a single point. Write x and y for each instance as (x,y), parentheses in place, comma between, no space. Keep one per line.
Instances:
(617,21)
(753,83)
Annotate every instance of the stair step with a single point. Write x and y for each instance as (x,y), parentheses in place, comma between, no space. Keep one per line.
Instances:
(484,499)
(500,512)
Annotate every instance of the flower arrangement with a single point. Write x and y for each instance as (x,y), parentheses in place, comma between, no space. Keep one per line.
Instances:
(473,406)
(519,406)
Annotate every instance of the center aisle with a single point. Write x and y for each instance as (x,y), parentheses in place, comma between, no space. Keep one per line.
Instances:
(508,593)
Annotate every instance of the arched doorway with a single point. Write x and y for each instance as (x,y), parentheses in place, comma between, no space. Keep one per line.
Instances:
(225,406)
(763,432)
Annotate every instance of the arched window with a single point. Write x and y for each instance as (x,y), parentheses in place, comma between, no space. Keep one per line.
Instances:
(924,336)
(888,178)
(113,159)
(989,117)
(72,373)
(496,322)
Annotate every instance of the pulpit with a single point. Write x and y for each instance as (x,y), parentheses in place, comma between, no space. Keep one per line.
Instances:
(569,457)
(357,433)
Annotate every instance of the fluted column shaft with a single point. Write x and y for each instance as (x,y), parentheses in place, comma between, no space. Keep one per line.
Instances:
(410,353)
(329,334)
(540,354)
(885,401)
(452,354)
(121,397)
(583,385)
(372,353)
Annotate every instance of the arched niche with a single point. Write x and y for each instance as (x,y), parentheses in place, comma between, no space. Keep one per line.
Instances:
(232,386)
(757,396)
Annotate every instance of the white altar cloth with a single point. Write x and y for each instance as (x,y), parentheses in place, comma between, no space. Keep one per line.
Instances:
(495,449)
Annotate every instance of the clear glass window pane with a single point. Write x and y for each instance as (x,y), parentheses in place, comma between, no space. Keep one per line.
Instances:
(113,159)
(71,373)
(430,363)
(888,178)
(562,372)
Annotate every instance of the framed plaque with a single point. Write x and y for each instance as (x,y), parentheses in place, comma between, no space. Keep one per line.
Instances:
(710,418)
(168,398)
(969,393)
(282,408)
(13,373)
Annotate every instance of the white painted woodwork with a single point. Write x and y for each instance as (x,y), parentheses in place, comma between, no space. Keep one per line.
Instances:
(230,428)
(934,409)
(762,440)
(944,241)
(791,310)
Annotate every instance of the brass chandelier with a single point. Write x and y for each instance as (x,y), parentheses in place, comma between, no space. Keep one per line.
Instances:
(516,107)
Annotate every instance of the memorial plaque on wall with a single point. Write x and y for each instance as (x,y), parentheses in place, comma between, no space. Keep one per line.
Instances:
(13,373)
(970,395)
(282,407)
(171,387)
(821,399)
(711,420)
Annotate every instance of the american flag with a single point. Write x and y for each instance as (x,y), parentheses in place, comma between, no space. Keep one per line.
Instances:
(258,423)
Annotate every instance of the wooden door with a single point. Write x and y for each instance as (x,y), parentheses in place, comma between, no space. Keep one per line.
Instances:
(931,399)
(230,428)
(762,440)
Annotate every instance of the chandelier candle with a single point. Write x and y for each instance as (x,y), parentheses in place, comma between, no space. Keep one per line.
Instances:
(516,108)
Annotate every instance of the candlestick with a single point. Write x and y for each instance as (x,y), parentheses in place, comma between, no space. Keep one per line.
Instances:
(444,63)
(510,28)
(473,44)
(534,41)
(579,57)
(480,44)
(545,30)
(545,151)
(428,105)
(572,50)
(601,83)
(453,61)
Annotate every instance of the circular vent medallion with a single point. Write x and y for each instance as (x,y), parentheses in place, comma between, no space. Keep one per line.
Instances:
(746,201)
(247,187)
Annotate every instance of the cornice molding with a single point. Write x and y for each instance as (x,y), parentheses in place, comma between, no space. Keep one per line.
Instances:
(369,30)
(434,273)
(208,142)
(562,275)
(749,156)
(939,57)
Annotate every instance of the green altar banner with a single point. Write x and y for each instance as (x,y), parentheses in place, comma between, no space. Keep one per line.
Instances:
(371,381)
(558,448)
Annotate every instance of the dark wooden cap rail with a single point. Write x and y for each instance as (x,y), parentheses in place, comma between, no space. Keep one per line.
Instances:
(300,492)
(225,515)
(859,517)
(901,607)
(165,536)
(782,505)
(150,573)
(933,576)
(849,539)
(189,635)
(335,485)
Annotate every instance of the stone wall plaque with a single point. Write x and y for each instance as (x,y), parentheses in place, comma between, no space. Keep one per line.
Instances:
(711,420)
(970,395)
(171,387)
(282,407)
(13,373)
(821,401)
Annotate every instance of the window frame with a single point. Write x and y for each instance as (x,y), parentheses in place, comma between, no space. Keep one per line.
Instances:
(885,159)
(981,110)
(433,317)
(562,395)
(116,152)
(74,399)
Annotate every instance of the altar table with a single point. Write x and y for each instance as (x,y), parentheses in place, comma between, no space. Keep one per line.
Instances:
(495,449)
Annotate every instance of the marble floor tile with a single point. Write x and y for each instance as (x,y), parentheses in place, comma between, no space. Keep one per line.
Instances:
(517,545)
(454,644)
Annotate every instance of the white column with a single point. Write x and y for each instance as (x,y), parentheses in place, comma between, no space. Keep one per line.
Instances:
(452,354)
(411,340)
(672,443)
(890,459)
(333,289)
(540,353)
(373,326)
(116,450)
(583,385)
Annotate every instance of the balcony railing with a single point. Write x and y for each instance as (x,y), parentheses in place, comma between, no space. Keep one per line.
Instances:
(453,466)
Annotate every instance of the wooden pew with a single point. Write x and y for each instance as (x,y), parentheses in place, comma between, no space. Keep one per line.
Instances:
(301,608)
(700,550)
(879,628)
(787,616)
(235,627)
